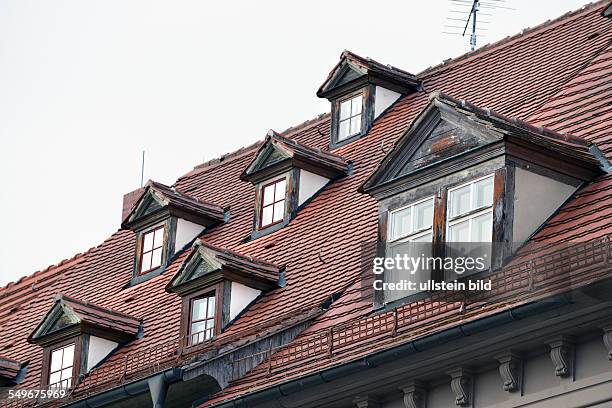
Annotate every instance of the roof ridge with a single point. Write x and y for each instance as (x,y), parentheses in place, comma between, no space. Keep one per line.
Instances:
(218,161)
(524,33)
(304,125)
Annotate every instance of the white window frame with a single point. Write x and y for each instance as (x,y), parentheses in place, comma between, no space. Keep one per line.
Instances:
(351,117)
(471,214)
(415,233)
(63,382)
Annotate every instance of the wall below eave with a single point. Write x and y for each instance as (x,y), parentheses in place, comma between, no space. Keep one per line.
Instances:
(99,348)
(240,298)
(383,99)
(310,184)
(536,198)
(185,232)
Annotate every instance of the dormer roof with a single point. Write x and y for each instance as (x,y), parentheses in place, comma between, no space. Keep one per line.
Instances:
(353,71)
(69,316)
(207,265)
(10,370)
(278,154)
(448,128)
(159,200)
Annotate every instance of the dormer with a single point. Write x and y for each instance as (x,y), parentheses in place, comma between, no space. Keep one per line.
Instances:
(216,285)
(463,176)
(12,372)
(76,336)
(286,175)
(360,89)
(165,220)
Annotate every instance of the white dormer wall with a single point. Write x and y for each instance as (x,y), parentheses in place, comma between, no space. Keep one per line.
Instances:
(240,298)
(383,99)
(536,198)
(186,231)
(310,184)
(99,348)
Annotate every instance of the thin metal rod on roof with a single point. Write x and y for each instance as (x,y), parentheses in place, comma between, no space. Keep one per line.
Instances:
(142,170)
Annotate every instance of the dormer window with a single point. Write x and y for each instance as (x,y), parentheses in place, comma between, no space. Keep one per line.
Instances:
(464,181)
(360,90)
(76,336)
(216,285)
(286,175)
(470,211)
(349,122)
(202,318)
(61,366)
(152,249)
(164,221)
(273,197)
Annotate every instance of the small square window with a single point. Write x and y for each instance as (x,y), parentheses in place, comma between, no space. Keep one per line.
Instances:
(202,319)
(349,118)
(273,203)
(152,250)
(470,215)
(60,367)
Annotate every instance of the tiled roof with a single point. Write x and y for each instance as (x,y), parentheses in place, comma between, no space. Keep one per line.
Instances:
(533,76)
(9,368)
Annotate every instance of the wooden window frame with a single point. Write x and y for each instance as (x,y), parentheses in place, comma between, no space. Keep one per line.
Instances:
(76,363)
(350,118)
(473,212)
(416,233)
(217,292)
(367,93)
(153,231)
(261,202)
(191,334)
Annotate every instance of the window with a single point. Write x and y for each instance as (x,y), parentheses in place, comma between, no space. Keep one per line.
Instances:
(470,212)
(349,120)
(152,250)
(60,368)
(273,203)
(202,319)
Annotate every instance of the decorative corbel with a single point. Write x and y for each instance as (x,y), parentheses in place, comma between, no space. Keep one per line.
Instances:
(562,355)
(607,339)
(511,370)
(462,384)
(415,394)
(366,402)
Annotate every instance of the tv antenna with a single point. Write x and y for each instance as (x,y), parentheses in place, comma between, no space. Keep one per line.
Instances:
(142,169)
(467,12)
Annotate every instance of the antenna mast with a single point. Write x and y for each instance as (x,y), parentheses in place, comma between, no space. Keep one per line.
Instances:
(473,14)
(142,170)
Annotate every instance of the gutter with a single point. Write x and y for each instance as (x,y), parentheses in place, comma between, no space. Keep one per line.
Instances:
(382,357)
(128,390)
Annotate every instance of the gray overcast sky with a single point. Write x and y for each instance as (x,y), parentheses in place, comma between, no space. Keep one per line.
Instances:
(85,86)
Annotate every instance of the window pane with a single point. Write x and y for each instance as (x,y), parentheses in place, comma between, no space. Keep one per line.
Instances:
(156,259)
(459,201)
(266,216)
(483,191)
(281,189)
(55,377)
(268,194)
(459,232)
(344,129)
(210,328)
(148,242)
(279,211)
(211,307)
(198,309)
(67,383)
(357,103)
(423,215)
(428,237)
(56,360)
(198,327)
(400,223)
(146,262)
(355,125)
(159,238)
(345,109)
(68,356)
(482,228)
(67,373)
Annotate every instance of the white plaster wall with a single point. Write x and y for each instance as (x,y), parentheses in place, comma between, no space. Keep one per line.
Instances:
(383,99)
(185,232)
(241,296)
(310,183)
(99,348)
(536,199)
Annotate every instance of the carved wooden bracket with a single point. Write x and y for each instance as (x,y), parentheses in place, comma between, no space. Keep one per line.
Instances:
(511,370)
(366,402)
(462,384)
(607,339)
(562,355)
(415,394)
